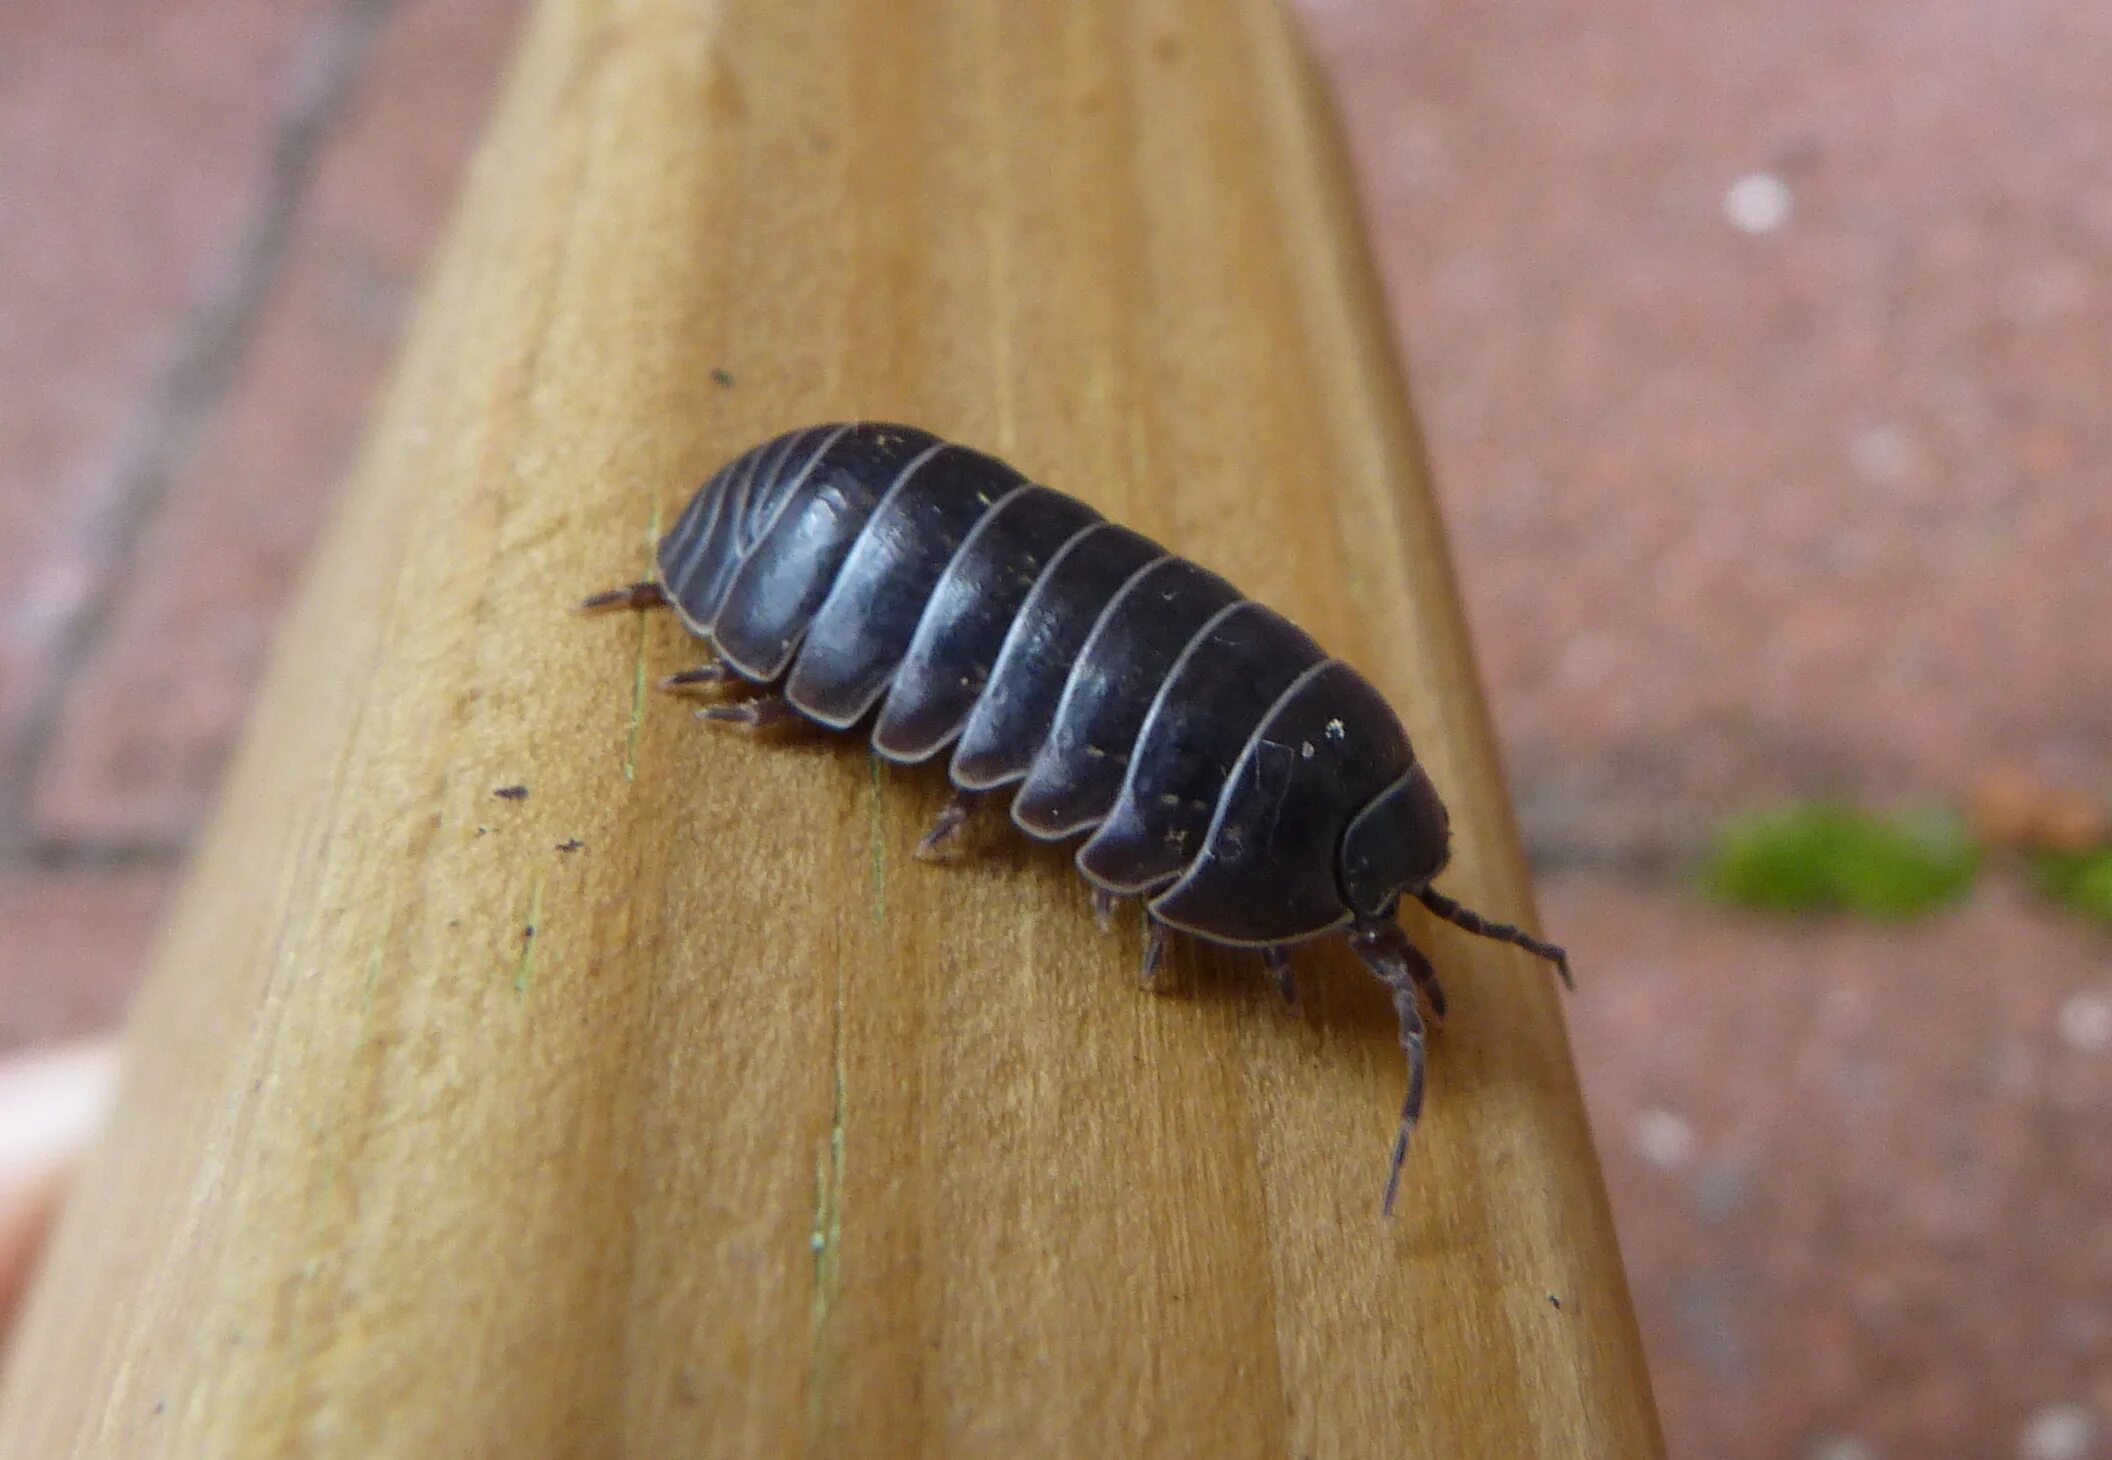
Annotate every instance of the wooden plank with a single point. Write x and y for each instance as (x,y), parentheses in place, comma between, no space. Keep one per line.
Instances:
(734,1130)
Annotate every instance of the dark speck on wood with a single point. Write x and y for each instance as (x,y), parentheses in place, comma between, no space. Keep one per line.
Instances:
(722,377)
(511,793)
(570,844)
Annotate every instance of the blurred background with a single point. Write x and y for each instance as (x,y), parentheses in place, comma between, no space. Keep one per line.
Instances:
(1764,354)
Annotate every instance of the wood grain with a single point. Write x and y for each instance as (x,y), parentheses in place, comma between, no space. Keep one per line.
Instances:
(734,1130)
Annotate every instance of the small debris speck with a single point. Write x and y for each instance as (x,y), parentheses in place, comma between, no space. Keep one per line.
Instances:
(1759,202)
(528,931)
(722,378)
(511,793)
(2086,1022)
(1663,1139)
(483,831)
(2060,1432)
(570,844)
(1554,1302)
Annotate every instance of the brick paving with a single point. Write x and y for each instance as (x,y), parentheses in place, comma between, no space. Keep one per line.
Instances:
(1763,354)
(1816,493)
(1859,1172)
(123,199)
(188,634)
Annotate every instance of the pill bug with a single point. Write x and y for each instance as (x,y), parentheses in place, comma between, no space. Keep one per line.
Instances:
(1253,791)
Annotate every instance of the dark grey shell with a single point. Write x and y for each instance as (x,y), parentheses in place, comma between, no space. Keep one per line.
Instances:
(1219,760)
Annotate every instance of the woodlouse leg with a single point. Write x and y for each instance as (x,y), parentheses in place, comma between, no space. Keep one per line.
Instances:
(1401,966)
(1412,1037)
(1278,962)
(1425,978)
(642,594)
(1394,959)
(704,677)
(1154,952)
(761,713)
(1103,908)
(938,843)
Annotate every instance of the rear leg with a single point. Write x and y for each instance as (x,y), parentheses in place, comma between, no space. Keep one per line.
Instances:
(1104,908)
(1155,936)
(941,843)
(645,593)
(1278,963)
(703,680)
(764,712)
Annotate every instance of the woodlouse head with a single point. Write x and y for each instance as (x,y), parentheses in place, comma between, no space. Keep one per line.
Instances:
(1395,847)
(1396,844)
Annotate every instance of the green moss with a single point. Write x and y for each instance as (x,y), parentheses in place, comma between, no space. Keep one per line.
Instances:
(1821,858)
(2080,882)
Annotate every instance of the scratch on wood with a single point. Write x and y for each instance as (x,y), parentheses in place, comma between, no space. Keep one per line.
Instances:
(630,749)
(526,967)
(827,1235)
(826,1238)
(876,841)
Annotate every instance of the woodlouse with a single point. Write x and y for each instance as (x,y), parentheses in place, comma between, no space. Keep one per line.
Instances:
(1254,791)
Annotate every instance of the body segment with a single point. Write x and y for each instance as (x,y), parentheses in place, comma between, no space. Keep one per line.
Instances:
(1006,728)
(1108,689)
(1205,712)
(973,606)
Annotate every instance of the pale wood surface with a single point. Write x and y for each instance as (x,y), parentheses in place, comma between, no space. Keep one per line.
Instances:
(771,1139)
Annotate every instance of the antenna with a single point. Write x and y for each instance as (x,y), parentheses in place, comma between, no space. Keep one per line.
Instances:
(1474,922)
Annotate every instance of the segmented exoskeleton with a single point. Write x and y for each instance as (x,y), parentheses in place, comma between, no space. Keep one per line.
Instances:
(1252,790)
